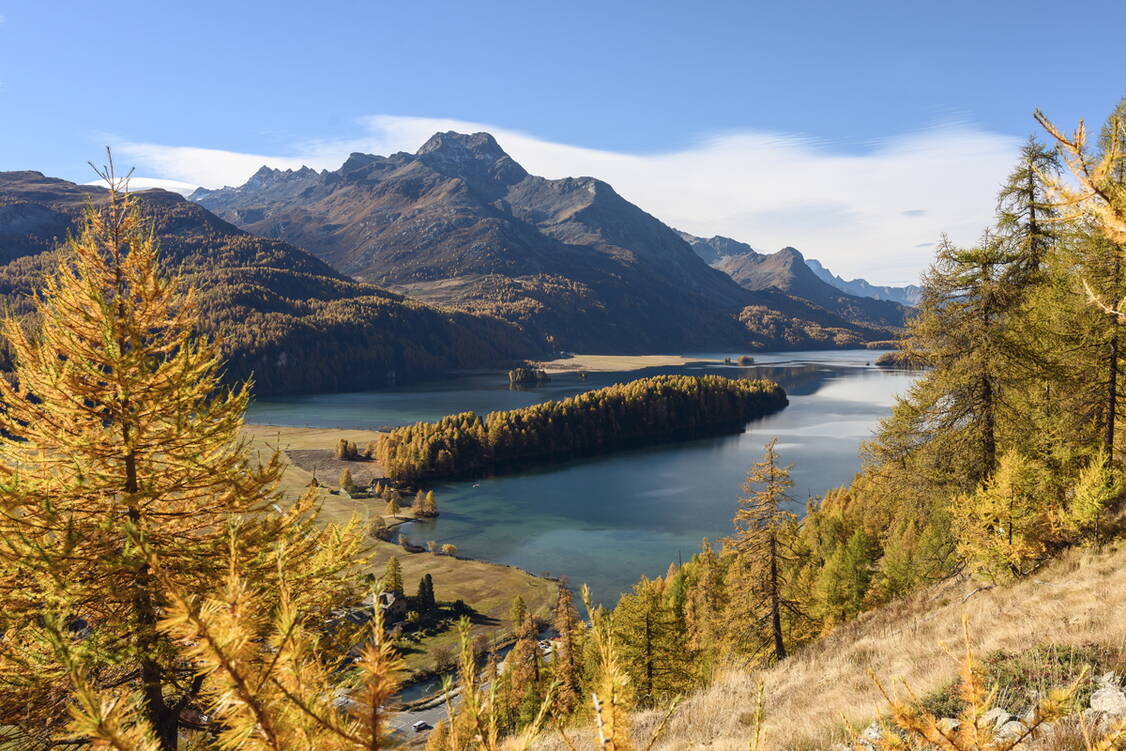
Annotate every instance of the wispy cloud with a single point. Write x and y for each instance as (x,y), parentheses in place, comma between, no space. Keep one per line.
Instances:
(875,214)
(145,183)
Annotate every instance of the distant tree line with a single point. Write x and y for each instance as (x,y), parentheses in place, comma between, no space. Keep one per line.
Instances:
(626,414)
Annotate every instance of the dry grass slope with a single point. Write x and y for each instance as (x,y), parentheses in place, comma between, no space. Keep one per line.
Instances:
(812,697)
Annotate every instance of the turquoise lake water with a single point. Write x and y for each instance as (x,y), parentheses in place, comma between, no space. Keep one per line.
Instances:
(606,521)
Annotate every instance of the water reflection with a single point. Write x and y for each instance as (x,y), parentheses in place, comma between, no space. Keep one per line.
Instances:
(608,520)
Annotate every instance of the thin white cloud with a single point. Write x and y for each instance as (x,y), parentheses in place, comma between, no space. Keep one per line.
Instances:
(874,215)
(145,183)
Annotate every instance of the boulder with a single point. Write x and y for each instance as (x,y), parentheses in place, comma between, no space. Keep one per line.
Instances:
(1108,678)
(1110,700)
(870,736)
(947,725)
(1011,730)
(994,718)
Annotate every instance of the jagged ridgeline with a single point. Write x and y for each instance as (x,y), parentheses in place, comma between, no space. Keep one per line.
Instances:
(643,411)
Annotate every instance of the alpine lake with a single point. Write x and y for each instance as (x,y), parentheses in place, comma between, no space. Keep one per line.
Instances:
(605,521)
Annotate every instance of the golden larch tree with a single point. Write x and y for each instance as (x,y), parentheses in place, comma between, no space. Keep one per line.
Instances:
(122,475)
(764,527)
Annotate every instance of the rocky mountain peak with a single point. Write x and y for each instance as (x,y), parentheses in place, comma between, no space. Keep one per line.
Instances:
(264,177)
(791,254)
(462,146)
(476,158)
(713,249)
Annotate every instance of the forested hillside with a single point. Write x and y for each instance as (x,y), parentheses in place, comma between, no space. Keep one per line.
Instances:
(282,315)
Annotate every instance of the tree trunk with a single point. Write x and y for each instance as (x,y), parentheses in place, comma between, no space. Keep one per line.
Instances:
(164,720)
(988,439)
(1112,376)
(776,603)
(649,654)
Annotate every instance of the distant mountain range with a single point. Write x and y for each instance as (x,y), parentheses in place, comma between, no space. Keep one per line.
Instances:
(283,315)
(908,295)
(570,261)
(394,267)
(742,261)
(789,272)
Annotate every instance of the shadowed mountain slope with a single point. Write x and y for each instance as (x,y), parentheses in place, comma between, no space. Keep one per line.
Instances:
(284,316)
(575,264)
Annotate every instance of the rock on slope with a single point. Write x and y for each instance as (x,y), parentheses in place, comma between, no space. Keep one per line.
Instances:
(581,268)
(284,315)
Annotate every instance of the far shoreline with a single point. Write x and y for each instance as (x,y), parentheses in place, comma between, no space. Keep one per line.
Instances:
(618,363)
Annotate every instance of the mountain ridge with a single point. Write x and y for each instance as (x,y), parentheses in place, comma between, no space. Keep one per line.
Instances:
(576,265)
(283,315)
(788,271)
(906,295)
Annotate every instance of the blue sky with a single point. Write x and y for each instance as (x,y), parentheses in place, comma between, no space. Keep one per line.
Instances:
(644,91)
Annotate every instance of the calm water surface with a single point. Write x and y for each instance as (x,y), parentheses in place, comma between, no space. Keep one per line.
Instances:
(607,521)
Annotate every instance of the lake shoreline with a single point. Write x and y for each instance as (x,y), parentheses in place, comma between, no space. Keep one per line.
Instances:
(617,363)
(607,520)
(486,586)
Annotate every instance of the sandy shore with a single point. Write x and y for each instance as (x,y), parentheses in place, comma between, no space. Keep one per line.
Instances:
(614,363)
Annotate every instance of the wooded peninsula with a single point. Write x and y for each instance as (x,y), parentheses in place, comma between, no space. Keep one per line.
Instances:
(643,411)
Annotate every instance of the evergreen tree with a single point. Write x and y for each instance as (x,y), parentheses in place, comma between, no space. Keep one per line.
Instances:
(653,643)
(393,508)
(763,529)
(427,506)
(1026,213)
(1069,398)
(517,611)
(565,664)
(1097,489)
(425,600)
(126,491)
(705,607)
(845,577)
(953,411)
(1111,140)
(1006,527)
(524,671)
(393,577)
